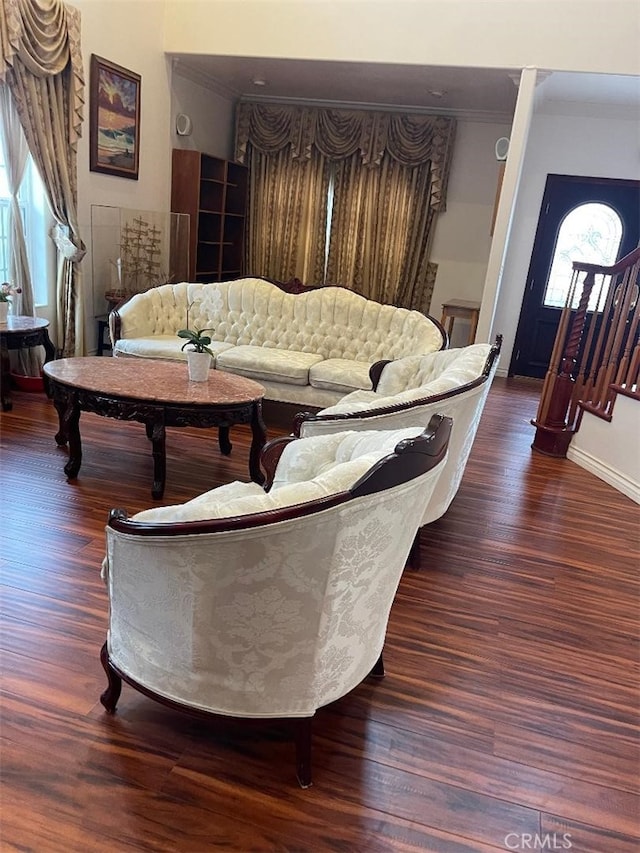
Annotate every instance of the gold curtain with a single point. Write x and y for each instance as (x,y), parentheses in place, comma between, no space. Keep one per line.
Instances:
(41,62)
(287,211)
(388,172)
(380,231)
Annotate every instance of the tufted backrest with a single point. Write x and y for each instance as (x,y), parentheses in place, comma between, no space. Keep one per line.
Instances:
(433,373)
(454,383)
(331,321)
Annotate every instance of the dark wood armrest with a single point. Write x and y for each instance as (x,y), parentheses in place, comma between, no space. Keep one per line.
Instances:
(375,372)
(270,456)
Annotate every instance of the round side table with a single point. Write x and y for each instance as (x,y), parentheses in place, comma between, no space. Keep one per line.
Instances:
(20,333)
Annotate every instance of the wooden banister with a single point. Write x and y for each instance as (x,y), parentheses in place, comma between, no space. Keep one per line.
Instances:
(594,353)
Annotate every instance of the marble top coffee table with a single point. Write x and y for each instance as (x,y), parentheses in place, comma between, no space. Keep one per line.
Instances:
(157,394)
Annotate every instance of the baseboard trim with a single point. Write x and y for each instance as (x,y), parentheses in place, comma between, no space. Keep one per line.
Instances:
(604,472)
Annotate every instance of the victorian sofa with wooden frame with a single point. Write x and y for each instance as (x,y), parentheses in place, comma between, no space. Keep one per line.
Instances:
(307,346)
(258,604)
(407,392)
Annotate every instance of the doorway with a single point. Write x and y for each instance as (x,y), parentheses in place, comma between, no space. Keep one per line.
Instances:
(596,220)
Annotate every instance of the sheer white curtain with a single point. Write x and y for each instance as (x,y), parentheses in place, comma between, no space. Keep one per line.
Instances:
(15,151)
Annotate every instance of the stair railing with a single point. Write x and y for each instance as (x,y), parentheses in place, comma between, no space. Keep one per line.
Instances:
(596,353)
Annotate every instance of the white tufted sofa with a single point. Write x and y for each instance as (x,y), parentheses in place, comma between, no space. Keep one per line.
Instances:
(409,391)
(309,348)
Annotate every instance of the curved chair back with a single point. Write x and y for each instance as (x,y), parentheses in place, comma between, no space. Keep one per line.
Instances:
(457,393)
(279,611)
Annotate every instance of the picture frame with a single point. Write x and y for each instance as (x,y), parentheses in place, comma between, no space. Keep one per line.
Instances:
(114,126)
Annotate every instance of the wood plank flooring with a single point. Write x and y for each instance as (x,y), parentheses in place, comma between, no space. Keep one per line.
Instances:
(508,719)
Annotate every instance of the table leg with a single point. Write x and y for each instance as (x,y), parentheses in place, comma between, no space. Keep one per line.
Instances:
(70,429)
(259,434)
(49,349)
(223,440)
(157,434)
(5,379)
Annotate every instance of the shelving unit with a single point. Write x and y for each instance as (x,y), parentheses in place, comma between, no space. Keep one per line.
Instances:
(214,194)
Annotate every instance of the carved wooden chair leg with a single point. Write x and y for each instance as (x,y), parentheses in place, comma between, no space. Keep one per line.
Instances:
(303,751)
(378,668)
(414,554)
(111,695)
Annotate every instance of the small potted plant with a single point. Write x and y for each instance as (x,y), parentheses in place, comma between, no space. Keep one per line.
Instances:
(6,292)
(199,355)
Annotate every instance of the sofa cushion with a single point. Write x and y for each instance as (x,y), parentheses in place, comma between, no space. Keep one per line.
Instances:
(266,363)
(340,374)
(160,346)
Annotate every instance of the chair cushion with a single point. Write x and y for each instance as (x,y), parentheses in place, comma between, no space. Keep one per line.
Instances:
(416,378)
(316,456)
(309,469)
(455,366)
(275,365)
(340,374)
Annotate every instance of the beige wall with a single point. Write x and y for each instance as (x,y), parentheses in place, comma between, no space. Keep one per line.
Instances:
(212,115)
(135,34)
(462,237)
(129,33)
(578,35)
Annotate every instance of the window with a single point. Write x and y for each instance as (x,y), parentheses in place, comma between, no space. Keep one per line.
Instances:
(590,233)
(36,219)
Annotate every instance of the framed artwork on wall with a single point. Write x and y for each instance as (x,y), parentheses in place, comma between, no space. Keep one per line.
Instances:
(114,126)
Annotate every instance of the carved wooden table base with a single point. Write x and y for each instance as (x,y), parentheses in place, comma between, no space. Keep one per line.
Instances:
(20,333)
(220,407)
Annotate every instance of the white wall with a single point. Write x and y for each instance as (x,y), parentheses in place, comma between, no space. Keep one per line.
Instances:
(563,145)
(212,114)
(578,35)
(462,236)
(129,33)
(611,451)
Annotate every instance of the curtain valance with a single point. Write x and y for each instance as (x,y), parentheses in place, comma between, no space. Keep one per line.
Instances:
(410,139)
(44,37)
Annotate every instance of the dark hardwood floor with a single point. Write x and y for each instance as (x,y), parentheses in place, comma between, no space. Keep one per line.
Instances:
(508,719)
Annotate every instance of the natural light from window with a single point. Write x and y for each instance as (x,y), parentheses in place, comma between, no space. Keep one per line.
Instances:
(36,219)
(590,233)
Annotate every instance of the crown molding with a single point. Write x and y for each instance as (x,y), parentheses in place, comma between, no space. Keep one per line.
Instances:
(465,115)
(202,79)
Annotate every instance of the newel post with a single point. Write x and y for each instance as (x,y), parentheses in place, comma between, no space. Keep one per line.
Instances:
(553,432)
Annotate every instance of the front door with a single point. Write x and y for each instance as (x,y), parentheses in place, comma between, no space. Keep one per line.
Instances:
(595,220)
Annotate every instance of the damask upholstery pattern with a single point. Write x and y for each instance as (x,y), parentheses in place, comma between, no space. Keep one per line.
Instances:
(275,620)
(454,383)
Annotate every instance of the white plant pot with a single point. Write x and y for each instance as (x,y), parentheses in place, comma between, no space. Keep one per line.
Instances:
(199,364)
(4,311)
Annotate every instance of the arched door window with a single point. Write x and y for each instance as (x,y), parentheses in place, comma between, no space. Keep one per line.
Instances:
(590,233)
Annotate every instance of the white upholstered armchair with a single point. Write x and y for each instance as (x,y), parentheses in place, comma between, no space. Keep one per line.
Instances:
(249,603)
(407,392)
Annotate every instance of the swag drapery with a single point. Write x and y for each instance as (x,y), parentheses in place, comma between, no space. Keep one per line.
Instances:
(41,63)
(384,177)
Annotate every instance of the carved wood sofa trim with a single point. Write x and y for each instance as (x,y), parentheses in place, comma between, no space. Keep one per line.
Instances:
(294,286)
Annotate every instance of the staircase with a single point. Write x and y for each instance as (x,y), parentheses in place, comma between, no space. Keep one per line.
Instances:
(596,355)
